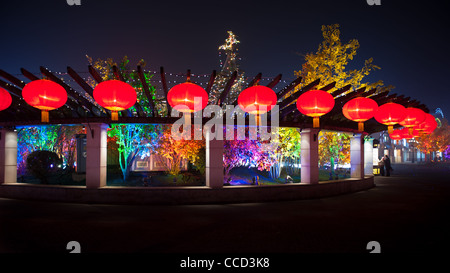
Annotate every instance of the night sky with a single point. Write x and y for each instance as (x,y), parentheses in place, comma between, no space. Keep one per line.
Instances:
(407,39)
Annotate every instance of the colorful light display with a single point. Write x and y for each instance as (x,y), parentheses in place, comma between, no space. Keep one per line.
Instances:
(360,110)
(315,103)
(115,96)
(44,95)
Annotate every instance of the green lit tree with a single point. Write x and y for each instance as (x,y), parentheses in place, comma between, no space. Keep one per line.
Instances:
(131,76)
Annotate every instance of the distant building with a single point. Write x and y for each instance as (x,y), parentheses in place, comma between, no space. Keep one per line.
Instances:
(399,151)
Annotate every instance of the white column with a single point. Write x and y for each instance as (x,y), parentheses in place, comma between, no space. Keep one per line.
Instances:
(357,156)
(368,157)
(96,152)
(310,156)
(8,156)
(214,163)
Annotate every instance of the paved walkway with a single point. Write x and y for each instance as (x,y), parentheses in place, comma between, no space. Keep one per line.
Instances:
(407,212)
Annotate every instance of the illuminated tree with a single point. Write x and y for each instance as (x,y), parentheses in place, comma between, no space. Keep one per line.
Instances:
(134,140)
(330,63)
(437,141)
(334,148)
(131,76)
(177,150)
(287,152)
(248,153)
(230,48)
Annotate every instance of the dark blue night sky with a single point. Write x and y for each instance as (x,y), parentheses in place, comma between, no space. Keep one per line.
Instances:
(407,39)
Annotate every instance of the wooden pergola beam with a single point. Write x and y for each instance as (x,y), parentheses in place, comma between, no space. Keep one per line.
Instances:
(95,74)
(328,87)
(70,91)
(275,81)
(288,88)
(28,74)
(255,80)
(297,94)
(82,83)
(340,91)
(12,79)
(210,82)
(165,89)
(227,88)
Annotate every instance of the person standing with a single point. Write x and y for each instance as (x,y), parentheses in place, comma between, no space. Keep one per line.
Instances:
(381,166)
(387,165)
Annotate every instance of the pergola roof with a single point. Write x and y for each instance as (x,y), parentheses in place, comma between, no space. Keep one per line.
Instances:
(81,107)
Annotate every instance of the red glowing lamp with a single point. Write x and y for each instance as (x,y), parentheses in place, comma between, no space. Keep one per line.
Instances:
(429,125)
(5,99)
(360,110)
(315,103)
(390,114)
(187,97)
(414,117)
(257,99)
(406,133)
(115,96)
(44,95)
(396,135)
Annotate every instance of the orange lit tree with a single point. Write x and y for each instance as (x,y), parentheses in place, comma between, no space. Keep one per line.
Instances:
(177,150)
(437,141)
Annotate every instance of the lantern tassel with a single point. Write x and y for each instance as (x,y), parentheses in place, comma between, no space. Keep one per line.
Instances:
(390,129)
(114,115)
(45,116)
(361,126)
(316,123)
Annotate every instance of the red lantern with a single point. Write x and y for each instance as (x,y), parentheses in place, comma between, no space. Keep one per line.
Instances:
(414,117)
(408,134)
(390,114)
(115,96)
(396,135)
(360,110)
(315,103)
(429,125)
(44,95)
(187,97)
(257,99)
(5,99)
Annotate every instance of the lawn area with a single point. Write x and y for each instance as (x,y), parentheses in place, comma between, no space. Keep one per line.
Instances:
(244,175)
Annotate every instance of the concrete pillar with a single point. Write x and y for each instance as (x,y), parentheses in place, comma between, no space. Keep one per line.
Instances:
(214,163)
(8,156)
(310,156)
(357,156)
(96,152)
(368,156)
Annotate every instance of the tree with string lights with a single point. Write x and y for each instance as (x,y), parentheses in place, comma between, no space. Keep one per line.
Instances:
(228,66)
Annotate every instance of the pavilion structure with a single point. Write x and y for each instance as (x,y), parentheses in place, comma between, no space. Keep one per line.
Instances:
(80,109)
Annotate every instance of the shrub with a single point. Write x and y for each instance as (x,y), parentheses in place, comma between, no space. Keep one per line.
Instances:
(42,164)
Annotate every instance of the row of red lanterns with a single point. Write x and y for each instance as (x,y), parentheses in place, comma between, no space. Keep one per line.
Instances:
(116,96)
